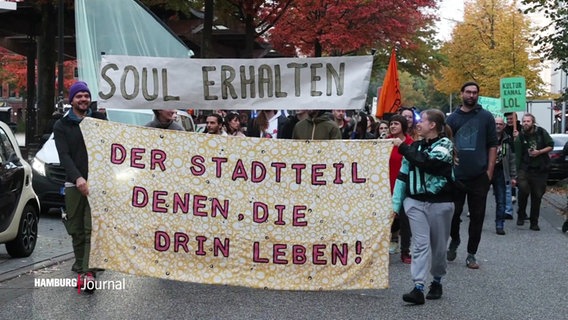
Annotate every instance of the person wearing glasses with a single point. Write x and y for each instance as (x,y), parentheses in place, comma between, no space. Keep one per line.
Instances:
(476,144)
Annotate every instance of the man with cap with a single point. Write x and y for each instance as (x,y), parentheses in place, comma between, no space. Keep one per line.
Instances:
(73,157)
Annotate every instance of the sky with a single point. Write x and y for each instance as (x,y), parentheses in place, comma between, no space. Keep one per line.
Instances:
(450,11)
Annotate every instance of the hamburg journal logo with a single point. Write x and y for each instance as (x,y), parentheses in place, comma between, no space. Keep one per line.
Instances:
(80,284)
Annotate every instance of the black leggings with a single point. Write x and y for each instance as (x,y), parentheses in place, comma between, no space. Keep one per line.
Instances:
(400,223)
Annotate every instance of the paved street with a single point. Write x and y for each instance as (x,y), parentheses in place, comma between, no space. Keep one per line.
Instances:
(523,276)
(54,245)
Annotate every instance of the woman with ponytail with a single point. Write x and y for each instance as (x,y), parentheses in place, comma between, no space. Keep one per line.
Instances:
(424,188)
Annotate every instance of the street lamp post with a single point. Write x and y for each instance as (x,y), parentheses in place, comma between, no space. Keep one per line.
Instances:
(563,116)
(61,33)
(31,123)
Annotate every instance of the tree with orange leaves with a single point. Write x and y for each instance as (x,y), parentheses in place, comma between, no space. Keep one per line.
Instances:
(13,70)
(341,27)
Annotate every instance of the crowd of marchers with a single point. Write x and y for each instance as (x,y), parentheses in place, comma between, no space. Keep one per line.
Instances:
(437,164)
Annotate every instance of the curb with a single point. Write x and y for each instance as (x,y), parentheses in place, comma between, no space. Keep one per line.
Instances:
(557,202)
(35,266)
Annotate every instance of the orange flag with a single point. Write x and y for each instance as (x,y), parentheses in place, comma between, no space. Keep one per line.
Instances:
(389,99)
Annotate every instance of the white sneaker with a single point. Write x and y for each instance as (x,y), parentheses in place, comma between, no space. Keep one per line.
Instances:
(393,248)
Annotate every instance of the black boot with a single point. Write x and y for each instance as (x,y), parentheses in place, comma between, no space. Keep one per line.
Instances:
(415,296)
(521,220)
(435,291)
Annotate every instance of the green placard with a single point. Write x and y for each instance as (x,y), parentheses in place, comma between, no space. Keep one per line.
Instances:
(513,94)
(492,105)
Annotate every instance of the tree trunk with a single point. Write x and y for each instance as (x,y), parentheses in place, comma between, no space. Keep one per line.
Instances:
(317,49)
(207,32)
(250,36)
(31,115)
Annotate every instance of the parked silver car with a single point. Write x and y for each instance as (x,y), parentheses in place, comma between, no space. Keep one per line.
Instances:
(559,157)
(19,205)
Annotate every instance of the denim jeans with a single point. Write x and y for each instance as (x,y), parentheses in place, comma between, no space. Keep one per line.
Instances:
(499,190)
(509,199)
(476,193)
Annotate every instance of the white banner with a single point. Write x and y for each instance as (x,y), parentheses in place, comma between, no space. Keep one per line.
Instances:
(129,82)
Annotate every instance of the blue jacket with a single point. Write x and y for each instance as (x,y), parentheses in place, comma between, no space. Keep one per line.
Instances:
(425,172)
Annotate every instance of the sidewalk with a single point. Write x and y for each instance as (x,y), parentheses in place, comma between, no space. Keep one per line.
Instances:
(53,246)
(557,199)
(555,203)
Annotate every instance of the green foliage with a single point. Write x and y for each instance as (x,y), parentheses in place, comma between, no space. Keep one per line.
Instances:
(416,91)
(410,90)
(552,39)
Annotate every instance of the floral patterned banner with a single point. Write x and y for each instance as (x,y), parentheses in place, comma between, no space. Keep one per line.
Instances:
(263,213)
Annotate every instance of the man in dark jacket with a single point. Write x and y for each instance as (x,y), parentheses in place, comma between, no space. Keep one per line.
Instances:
(316,127)
(73,157)
(288,127)
(475,139)
(532,144)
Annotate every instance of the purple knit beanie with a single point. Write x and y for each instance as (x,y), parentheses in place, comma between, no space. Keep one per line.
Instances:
(78,86)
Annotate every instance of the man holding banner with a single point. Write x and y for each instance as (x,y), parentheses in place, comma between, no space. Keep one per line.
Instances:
(73,157)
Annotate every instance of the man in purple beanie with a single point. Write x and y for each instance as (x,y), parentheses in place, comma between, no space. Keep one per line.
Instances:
(73,157)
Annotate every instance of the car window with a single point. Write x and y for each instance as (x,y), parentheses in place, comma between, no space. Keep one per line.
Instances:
(129,117)
(185,122)
(560,141)
(6,147)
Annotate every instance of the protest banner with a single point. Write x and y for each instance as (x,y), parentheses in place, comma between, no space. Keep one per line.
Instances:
(492,105)
(262,213)
(513,94)
(130,82)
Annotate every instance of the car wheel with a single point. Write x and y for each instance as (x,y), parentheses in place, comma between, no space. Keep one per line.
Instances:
(24,244)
